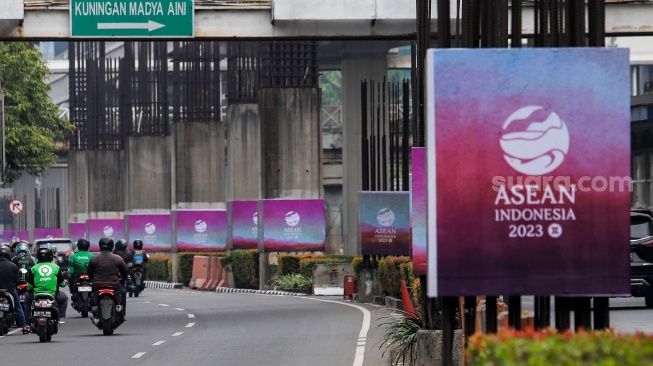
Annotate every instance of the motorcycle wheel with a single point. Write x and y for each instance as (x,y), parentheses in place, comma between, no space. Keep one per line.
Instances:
(131,294)
(2,326)
(136,294)
(107,327)
(43,334)
(84,313)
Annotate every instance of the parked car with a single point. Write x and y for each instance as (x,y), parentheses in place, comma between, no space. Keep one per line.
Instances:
(641,255)
(64,249)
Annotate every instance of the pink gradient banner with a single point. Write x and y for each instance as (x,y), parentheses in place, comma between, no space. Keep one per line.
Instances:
(418,210)
(47,233)
(528,151)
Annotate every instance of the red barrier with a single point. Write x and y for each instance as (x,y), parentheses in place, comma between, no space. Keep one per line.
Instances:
(350,286)
(406,300)
(200,272)
(209,273)
(222,275)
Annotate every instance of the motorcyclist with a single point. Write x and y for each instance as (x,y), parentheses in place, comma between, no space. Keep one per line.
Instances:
(139,255)
(9,281)
(122,251)
(78,263)
(23,258)
(107,269)
(46,277)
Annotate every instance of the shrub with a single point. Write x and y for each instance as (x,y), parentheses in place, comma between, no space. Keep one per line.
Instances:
(400,336)
(390,275)
(288,264)
(548,347)
(157,268)
(293,282)
(416,292)
(356,263)
(244,266)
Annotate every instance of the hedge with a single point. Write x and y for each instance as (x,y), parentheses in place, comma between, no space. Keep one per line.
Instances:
(548,347)
(390,275)
(244,266)
(356,264)
(158,268)
(290,263)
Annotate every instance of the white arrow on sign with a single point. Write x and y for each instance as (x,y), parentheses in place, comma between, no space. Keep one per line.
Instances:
(16,206)
(150,25)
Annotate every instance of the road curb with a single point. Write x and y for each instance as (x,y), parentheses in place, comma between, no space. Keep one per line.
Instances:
(250,291)
(159,284)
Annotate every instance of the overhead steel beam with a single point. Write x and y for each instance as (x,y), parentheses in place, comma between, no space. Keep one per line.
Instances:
(40,22)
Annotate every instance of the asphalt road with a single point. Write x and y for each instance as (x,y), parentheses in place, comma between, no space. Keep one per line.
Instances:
(177,327)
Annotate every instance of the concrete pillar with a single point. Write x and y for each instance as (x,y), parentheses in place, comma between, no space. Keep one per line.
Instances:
(291,148)
(149,170)
(361,60)
(243,152)
(106,179)
(291,143)
(77,186)
(199,174)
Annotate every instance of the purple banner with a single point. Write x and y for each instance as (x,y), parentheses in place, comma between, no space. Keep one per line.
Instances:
(418,210)
(528,172)
(244,224)
(201,230)
(9,236)
(384,223)
(45,233)
(155,230)
(294,225)
(98,228)
(77,230)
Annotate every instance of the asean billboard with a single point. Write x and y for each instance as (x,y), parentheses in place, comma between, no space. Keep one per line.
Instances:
(418,210)
(77,230)
(155,230)
(243,224)
(48,233)
(384,223)
(293,225)
(98,228)
(528,166)
(201,230)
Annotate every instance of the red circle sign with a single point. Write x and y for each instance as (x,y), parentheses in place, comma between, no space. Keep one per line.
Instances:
(16,206)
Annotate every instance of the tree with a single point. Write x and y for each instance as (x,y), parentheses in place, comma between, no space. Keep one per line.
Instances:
(32,124)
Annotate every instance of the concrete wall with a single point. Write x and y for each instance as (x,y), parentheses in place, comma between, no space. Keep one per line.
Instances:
(199,161)
(291,143)
(148,160)
(77,186)
(106,179)
(243,152)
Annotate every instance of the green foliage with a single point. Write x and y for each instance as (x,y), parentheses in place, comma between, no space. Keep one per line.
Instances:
(356,263)
(157,268)
(331,85)
(288,264)
(548,347)
(32,123)
(400,337)
(185,269)
(244,266)
(293,282)
(390,275)
(306,264)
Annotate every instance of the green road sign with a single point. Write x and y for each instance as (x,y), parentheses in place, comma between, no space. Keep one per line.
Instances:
(131,18)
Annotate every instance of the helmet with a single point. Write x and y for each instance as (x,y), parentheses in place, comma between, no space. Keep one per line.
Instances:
(138,244)
(106,243)
(5,252)
(121,244)
(83,244)
(53,248)
(44,254)
(22,247)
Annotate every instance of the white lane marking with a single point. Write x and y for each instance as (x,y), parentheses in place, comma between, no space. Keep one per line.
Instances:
(139,354)
(190,325)
(146,302)
(12,332)
(164,305)
(180,309)
(191,315)
(177,334)
(365,327)
(158,343)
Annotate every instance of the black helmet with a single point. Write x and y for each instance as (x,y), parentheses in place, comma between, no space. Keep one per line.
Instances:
(121,244)
(138,244)
(5,252)
(83,244)
(106,243)
(44,254)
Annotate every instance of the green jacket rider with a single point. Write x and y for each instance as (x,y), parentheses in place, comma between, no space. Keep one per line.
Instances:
(79,261)
(46,278)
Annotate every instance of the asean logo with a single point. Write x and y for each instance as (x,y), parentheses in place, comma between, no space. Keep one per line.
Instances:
(540,148)
(385,217)
(292,218)
(200,226)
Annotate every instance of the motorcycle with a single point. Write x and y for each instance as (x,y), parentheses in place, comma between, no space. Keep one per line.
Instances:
(107,312)
(135,281)
(45,316)
(6,311)
(81,300)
